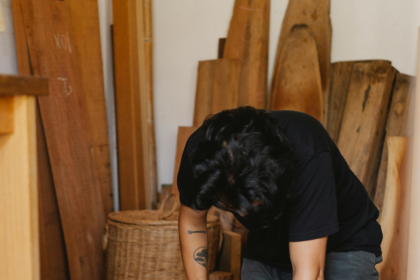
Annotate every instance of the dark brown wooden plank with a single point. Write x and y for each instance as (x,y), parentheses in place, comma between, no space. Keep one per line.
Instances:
(230,259)
(297,85)
(68,139)
(84,17)
(204,91)
(226,85)
(247,40)
(22,84)
(220,275)
(363,126)
(315,14)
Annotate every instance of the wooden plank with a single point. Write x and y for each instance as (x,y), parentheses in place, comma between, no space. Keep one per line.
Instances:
(133,105)
(230,259)
(53,259)
(221,49)
(66,129)
(226,85)
(339,86)
(399,123)
(7,114)
(183,134)
(19,240)
(19,84)
(220,275)
(315,14)
(247,40)
(297,85)
(204,91)
(363,126)
(394,218)
(84,18)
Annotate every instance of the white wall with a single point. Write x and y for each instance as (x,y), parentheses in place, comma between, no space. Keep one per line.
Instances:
(8,62)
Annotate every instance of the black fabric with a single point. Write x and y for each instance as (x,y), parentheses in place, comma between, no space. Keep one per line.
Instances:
(326,198)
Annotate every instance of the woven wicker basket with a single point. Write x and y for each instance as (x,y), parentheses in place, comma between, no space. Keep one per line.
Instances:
(144,244)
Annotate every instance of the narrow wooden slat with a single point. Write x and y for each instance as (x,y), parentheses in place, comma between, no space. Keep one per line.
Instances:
(315,14)
(53,259)
(66,128)
(84,17)
(399,123)
(221,49)
(230,259)
(7,115)
(247,40)
(204,91)
(18,84)
(297,85)
(220,275)
(363,126)
(394,218)
(226,85)
(19,239)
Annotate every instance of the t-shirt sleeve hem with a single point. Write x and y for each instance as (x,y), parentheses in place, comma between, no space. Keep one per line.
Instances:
(296,237)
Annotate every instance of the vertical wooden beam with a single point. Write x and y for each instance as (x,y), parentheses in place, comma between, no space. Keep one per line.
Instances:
(226,85)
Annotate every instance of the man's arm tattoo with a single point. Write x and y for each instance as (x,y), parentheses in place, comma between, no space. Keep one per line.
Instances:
(200,231)
(201,256)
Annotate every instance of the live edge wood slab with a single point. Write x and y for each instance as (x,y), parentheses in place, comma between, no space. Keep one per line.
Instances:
(67,134)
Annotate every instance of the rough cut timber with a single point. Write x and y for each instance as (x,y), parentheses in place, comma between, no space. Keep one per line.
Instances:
(230,259)
(363,126)
(394,216)
(133,103)
(19,240)
(66,127)
(84,18)
(297,84)
(226,85)
(204,91)
(53,259)
(247,40)
(316,15)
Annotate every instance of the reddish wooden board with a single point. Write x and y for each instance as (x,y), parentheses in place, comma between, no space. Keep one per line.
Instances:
(247,40)
(84,17)
(363,126)
(297,85)
(315,14)
(65,122)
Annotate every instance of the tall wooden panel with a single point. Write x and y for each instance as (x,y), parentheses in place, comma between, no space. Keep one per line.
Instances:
(85,25)
(316,15)
(204,91)
(363,126)
(247,40)
(297,84)
(66,127)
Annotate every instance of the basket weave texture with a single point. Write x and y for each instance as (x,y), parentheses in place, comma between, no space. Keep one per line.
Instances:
(140,245)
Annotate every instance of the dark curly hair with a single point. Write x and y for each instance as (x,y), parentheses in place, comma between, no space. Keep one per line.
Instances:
(243,163)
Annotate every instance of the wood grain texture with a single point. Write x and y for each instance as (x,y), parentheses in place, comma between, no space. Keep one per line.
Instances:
(204,91)
(67,132)
(399,123)
(394,218)
(19,239)
(19,84)
(297,84)
(316,15)
(226,85)
(84,18)
(220,275)
(230,259)
(133,105)
(183,134)
(363,125)
(53,259)
(247,40)
(7,115)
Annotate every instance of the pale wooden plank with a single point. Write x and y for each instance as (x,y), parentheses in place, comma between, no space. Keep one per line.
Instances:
(66,128)
(315,14)
(226,85)
(84,18)
(297,84)
(204,91)
(363,126)
(7,114)
(19,239)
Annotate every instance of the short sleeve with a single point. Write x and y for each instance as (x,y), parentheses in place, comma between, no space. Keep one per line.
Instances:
(185,179)
(313,201)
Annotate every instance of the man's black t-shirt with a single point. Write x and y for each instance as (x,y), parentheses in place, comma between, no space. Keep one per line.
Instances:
(326,198)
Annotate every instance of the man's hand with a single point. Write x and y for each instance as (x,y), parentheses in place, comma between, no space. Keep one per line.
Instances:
(308,259)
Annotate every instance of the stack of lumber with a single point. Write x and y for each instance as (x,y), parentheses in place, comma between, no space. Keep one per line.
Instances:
(134,104)
(60,40)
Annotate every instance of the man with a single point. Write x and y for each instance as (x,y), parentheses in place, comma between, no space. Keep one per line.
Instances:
(282,176)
